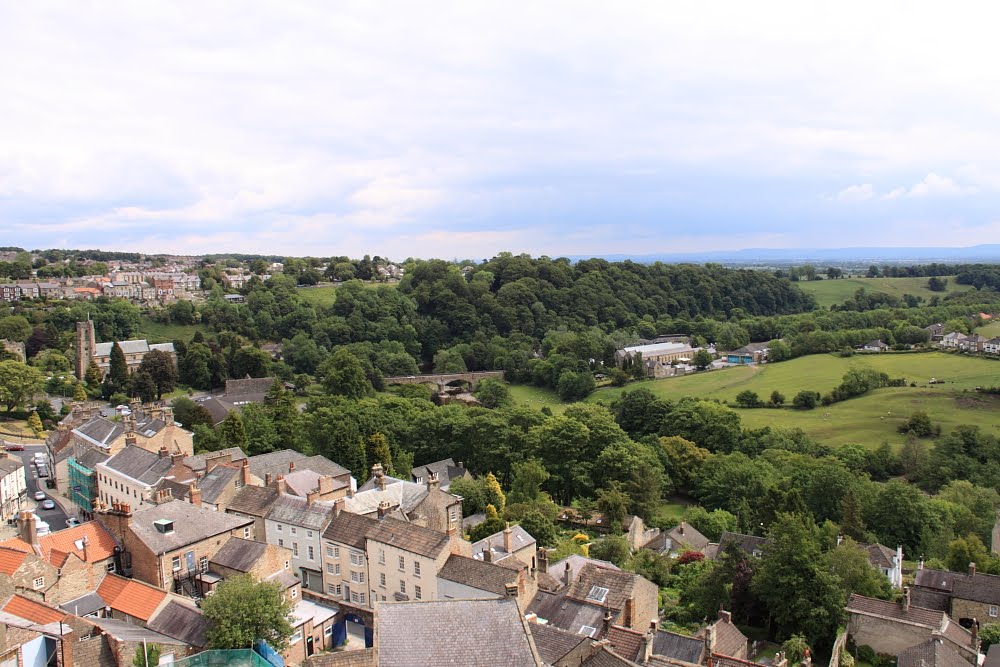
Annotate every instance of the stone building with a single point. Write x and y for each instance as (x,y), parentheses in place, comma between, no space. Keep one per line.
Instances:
(89,350)
(13,491)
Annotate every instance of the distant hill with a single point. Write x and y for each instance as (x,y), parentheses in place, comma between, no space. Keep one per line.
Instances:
(987,253)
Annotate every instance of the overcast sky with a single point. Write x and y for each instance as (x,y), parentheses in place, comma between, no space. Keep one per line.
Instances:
(462,129)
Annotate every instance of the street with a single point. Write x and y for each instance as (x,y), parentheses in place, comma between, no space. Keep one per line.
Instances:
(56,518)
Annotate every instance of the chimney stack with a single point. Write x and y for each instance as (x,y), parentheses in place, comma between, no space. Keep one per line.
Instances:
(680,529)
(975,633)
(84,541)
(508,539)
(130,439)
(163,453)
(972,569)
(29,527)
(725,616)
(487,554)
(168,416)
(432,481)
(906,599)
(195,494)
(245,472)
(568,575)
(378,475)
(607,621)
(280,485)
(291,466)
(268,479)
(325,485)
(511,590)
(629,613)
(383,508)
(177,457)
(338,506)
(312,497)
(543,560)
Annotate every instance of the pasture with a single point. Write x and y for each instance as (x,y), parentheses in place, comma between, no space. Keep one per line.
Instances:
(159,332)
(324,296)
(830,292)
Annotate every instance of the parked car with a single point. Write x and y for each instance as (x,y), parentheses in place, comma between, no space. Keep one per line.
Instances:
(70,522)
(43,471)
(14,447)
(48,505)
(39,495)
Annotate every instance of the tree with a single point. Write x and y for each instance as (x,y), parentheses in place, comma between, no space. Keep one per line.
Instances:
(93,376)
(936,284)
(575,386)
(232,433)
(989,635)
(527,478)
(703,359)
(748,399)
(250,361)
(919,424)
(35,424)
(79,393)
(613,503)
(777,398)
(18,383)
(539,527)
(856,574)
(731,336)
(242,610)
(613,548)
(189,414)
(472,493)
(965,550)
(801,595)
(344,375)
(146,655)
(493,393)
(494,494)
(873,272)
(795,648)
(142,385)
(851,523)
(806,400)
(159,365)
(379,452)
(117,380)
(711,524)
(492,525)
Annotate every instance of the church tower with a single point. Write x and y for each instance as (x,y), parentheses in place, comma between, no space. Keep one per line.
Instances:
(85,347)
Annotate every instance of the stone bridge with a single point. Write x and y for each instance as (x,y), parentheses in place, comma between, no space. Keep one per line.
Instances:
(444,379)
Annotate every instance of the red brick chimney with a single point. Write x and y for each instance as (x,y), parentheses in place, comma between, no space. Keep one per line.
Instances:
(291,466)
(629,613)
(312,497)
(280,485)
(195,494)
(338,506)
(164,452)
(29,527)
(245,472)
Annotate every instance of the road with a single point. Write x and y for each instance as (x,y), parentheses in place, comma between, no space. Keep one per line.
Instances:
(56,518)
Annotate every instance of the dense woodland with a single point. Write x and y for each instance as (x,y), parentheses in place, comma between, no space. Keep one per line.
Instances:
(554,324)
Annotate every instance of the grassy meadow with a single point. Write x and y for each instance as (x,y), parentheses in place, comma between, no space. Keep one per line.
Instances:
(868,420)
(830,292)
(324,296)
(158,332)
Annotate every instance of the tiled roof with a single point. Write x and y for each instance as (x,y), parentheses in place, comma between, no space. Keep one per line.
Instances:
(928,618)
(576,563)
(572,615)
(490,577)
(130,596)
(749,543)
(728,640)
(10,464)
(214,483)
(619,586)
(554,643)
(139,464)
(402,494)
(678,647)
(182,622)
(360,658)
(100,431)
(625,642)
(301,482)
(11,559)
(931,653)
(91,458)
(253,500)
(681,536)
(879,555)
(350,529)
(472,633)
(100,544)
(239,554)
(200,461)
(409,537)
(519,537)
(297,511)
(277,463)
(606,658)
(976,587)
(191,524)
(30,610)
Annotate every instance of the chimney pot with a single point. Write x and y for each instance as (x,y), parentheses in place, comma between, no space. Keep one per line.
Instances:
(268,479)
(906,599)
(291,466)
(487,554)
(195,495)
(972,569)
(568,575)
(280,485)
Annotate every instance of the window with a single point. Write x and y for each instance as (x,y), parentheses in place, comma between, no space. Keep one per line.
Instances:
(281,542)
(175,563)
(296,638)
(357,559)
(40,582)
(587,630)
(280,528)
(286,564)
(994,610)
(416,568)
(453,515)
(402,587)
(329,568)
(327,631)
(312,555)
(333,589)
(239,482)
(357,598)
(358,577)
(295,592)
(246,533)
(294,532)
(203,564)
(597,594)
(295,549)
(309,533)
(329,551)
(417,592)
(381,556)
(402,563)
(111,567)
(381,579)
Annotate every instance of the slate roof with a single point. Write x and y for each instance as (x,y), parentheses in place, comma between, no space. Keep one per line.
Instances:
(606,658)
(199,462)
(928,618)
(978,587)
(360,658)
(471,633)
(728,640)
(253,500)
(217,409)
(553,643)
(879,555)
(619,585)
(191,524)
(139,464)
(626,643)
(350,529)
(100,431)
(239,554)
(992,656)
(297,511)
(85,604)
(680,537)
(214,483)
(572,615)
(124,631)
(490,577)
(301,482)
(520,539)
(182,622)
(931,653)
(446,471)
(409,537)
(678,647)
(130,596)
(749,543)
(576,563)
(137,346)
(10,464)
(276,463)
(91,458)
(398,493)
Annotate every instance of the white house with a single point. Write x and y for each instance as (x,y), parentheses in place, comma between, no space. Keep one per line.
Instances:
(13,491)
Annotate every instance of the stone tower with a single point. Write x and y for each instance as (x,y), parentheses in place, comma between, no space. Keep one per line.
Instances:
(85,347)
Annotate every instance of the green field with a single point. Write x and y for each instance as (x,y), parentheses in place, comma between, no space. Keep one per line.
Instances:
(157,332)
(536,397)
(830,292)
(325,295)
(990,330)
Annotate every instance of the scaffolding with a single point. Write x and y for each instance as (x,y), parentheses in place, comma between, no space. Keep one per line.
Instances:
(223,658)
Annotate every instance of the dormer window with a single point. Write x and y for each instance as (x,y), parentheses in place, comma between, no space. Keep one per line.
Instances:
(597,594)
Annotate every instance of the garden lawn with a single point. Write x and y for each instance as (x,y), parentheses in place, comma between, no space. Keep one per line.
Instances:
(323,296)
(830,292)
(158,332)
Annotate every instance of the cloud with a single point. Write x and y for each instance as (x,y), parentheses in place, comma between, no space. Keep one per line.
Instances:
(932,185)
(856,193)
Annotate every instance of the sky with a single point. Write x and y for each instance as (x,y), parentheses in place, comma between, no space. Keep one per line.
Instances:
(462,129)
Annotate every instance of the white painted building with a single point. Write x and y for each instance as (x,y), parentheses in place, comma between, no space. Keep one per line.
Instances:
(13,489)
